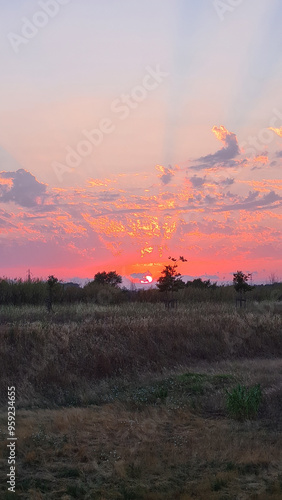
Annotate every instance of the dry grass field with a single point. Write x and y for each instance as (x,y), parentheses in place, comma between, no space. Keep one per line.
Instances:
(129,402)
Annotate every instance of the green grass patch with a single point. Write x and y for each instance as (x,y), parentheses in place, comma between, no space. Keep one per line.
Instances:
(193,382)
(185,389)
(243,403)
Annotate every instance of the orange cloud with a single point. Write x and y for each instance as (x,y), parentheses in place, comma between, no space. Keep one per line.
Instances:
(146,250)
(265,185)
(166,173)
(204,217)
(68,226)
(277,131)
(105,225)
(98,182)
(261,159)
(6,182)
(221,133)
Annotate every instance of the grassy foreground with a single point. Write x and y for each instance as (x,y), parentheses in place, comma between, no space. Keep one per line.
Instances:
(129,402)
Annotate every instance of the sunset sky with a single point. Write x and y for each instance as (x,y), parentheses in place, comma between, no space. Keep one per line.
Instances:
(132,131)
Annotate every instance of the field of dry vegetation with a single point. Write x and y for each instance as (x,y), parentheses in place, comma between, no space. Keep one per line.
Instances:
(129,401)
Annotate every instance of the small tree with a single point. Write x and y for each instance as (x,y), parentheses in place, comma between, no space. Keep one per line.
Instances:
(241,285)
(111,278)
(171,280)
(51,282)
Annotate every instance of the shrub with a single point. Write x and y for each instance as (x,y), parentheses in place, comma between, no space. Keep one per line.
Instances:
(243,403)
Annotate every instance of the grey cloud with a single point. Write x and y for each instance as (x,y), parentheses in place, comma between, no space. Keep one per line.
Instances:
(227,182)
(25,188)
(221,164)
(137,275)
(251,196)
(187,277)
(166,178)
(223,157)
(201,166)
(230,151)
(210,200)
(200,181)
(209,277)
(197,181)
(106,196)
(253,202)
(168,174)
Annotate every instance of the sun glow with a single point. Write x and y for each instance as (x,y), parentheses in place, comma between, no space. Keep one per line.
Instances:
(146,280)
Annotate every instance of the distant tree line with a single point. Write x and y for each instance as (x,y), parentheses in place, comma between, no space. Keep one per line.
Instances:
(106,288)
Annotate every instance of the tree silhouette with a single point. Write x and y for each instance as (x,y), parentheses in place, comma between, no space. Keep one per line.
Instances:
(199,283)
(171,280)
(240,282)
(51,282)
(241,285)
(111,278)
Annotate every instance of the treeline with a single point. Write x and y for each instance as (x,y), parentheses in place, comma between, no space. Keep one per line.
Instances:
(37,292)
